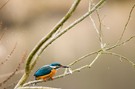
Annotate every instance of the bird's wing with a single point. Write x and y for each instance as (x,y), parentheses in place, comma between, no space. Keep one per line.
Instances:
(43,71)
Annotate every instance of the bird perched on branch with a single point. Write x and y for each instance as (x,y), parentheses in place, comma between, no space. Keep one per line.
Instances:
(48,71)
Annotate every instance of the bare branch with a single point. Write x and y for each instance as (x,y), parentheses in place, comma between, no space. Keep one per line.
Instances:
(81,18)
(125,27)
(81,58)
(17,68)
(37,87)
(65,74)
(70,26)
(35,51)
(8,74)
(99,52)
(120,56)
(2,35)
(99,31)
(4,4)
(8,57)
(124,42)
(40,44)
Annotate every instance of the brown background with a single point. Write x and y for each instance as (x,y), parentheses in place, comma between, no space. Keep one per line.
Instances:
(27,21)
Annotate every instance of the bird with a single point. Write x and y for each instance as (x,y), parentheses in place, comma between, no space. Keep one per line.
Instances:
(48,71)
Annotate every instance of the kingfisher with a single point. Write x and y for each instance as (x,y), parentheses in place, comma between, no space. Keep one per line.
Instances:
(48,71)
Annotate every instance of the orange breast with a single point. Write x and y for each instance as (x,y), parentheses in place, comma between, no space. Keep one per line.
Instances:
(50,75)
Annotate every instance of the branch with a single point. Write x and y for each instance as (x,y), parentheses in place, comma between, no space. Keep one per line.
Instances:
(35,51)
(37,87)
(69,27)
(8,74)
(81,58)
(17,68)
(63,75)
(99,52)
(120,56)
(2,33)
(8,57)
(124,42)
(44,39)
(80,19)
(99,31)
(4,4)
(125,27)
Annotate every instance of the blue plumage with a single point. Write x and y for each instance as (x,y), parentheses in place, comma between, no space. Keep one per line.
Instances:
(43,71)
(48,71)
(56,64)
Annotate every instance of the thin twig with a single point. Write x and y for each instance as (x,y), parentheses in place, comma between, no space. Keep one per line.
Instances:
(100,27)
(37,87)
(96,52)
(81,18)
(125,27)
(2,35)
(99,31)
(4,4)
(8,74)
(8,57)
(81,58)
(99,54)
(17,68)
(124,42)
(120,56)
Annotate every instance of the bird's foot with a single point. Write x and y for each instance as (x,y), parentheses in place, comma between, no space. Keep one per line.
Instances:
(44,79)
(51,78)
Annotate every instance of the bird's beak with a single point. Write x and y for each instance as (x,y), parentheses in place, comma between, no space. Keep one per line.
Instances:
(64,67)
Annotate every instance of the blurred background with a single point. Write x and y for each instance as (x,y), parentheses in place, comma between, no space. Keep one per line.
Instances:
(25,22)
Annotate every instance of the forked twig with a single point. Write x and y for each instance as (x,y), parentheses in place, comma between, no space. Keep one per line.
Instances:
(99,31)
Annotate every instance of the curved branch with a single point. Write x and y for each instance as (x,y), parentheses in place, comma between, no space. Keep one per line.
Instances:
(67,29)
(43,40)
